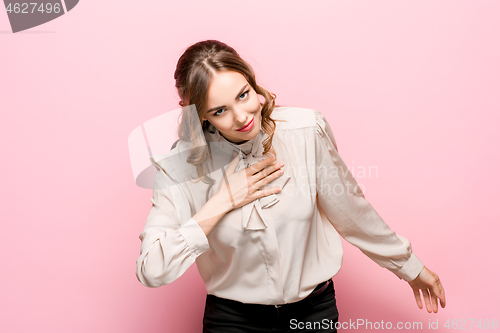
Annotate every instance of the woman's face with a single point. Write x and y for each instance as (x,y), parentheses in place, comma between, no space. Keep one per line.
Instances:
(233,104)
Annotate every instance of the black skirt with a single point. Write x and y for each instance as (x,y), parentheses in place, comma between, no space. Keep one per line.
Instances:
(315,313)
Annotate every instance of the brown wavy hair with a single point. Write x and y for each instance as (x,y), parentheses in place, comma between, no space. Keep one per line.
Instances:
(193,75)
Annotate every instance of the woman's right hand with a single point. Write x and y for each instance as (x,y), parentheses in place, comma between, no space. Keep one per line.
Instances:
(240,188)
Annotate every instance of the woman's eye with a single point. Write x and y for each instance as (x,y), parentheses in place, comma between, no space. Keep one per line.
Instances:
(218,114)
(242,96)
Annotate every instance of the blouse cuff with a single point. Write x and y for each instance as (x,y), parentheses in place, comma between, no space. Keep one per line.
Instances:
(411,269)
(195,238)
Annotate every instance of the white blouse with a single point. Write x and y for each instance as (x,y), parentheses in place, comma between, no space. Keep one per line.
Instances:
(276,249)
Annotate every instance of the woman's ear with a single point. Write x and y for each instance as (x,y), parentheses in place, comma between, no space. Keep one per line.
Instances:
(262,99)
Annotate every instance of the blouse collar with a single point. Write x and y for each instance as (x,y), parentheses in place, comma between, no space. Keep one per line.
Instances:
(252,147)
(254,215)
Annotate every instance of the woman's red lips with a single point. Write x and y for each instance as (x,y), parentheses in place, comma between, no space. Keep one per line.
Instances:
(247,126)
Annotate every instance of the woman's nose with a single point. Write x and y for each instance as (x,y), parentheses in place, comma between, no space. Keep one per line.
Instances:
(241,117)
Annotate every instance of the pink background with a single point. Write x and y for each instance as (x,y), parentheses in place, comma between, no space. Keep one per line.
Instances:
(410,87)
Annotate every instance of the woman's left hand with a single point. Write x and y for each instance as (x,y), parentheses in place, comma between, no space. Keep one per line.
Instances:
(429,283)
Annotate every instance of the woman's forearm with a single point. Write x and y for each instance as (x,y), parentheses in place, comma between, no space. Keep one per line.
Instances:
(211,213)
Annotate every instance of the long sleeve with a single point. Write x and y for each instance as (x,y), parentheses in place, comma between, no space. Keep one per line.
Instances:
(168,247)
(344,204)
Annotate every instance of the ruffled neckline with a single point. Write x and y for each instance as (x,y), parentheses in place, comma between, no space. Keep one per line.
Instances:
(252,146)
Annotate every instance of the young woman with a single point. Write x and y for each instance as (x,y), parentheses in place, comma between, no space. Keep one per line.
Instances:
(257,195)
